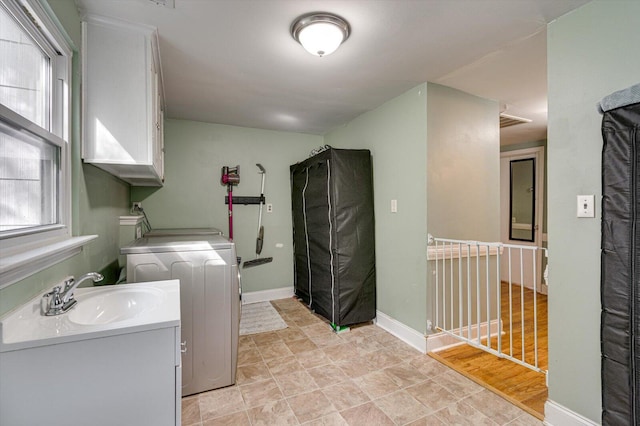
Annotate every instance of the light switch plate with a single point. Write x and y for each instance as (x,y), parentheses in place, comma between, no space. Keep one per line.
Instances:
(394,206)
(586,206)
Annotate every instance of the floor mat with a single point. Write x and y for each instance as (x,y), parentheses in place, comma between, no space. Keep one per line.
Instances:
(259,318)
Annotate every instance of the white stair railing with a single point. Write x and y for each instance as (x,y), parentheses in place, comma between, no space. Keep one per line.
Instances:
(485,296)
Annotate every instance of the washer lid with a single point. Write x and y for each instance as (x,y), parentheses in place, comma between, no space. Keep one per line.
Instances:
(180,243)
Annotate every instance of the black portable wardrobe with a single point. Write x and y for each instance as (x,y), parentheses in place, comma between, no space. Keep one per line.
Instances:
(620,259)
(333,235)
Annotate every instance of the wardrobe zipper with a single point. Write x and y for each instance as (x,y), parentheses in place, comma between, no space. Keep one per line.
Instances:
(632,255)
(331,265)
(306,232)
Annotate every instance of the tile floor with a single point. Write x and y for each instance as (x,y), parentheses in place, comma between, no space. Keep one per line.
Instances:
(306,374)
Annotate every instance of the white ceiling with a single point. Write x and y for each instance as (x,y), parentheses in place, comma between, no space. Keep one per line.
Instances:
(234,61)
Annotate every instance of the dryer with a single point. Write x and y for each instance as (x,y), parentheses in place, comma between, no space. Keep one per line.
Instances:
(207,268)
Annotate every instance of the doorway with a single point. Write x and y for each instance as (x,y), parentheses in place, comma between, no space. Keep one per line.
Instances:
(522,211)
(523,289)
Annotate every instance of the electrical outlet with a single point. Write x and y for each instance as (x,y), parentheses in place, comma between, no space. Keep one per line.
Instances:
(137,206)
(394,206)
(269,208)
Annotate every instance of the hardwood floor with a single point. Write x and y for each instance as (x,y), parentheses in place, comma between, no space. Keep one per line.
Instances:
(520,385)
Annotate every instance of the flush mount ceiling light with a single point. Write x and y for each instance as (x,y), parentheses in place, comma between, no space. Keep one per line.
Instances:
(320,33)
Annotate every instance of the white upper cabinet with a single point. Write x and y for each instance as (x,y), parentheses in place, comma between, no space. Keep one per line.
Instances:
(123,101)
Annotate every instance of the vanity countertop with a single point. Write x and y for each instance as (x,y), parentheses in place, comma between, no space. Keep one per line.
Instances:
(100,312)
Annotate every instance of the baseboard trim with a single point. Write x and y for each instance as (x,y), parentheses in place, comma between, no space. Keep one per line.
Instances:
(267,295)
(559,415)
(403,332)
(441,341)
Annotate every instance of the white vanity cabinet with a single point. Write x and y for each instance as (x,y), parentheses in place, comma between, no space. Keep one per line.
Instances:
(130,379)
(63,371)
(122,100)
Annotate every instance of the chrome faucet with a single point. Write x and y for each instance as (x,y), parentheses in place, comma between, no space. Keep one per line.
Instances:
(59,300)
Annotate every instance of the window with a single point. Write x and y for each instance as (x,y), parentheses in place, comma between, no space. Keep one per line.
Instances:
(24,76)
(33,87)
(35,67)
(29,182)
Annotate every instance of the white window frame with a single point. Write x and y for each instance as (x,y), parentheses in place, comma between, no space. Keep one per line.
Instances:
(27,251)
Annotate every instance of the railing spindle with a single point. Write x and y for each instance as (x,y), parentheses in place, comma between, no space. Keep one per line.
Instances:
(446,287)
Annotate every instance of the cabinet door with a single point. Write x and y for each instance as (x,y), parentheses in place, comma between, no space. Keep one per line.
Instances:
(115,99)
(157,114)
(158,154)
(122,101)
(126,379)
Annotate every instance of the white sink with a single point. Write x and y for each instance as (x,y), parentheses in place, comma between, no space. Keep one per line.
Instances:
(100,312)
(121,305)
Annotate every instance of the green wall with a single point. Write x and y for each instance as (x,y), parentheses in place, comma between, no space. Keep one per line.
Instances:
(463,165)
(591,52)
(463,174)
(98,198)
(194,197)
(435,168)
(396,134)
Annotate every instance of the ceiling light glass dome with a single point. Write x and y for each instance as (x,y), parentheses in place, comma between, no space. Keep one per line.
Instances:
(320,33)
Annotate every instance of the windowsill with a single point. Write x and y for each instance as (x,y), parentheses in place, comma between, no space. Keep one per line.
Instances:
(19,266)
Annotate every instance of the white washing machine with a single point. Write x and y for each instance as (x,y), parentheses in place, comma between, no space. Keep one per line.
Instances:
(207,268)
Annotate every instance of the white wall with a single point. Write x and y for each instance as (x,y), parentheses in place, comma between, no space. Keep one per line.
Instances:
(592,52)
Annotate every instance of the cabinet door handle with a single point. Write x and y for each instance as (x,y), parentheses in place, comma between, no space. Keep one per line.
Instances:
(183,347)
